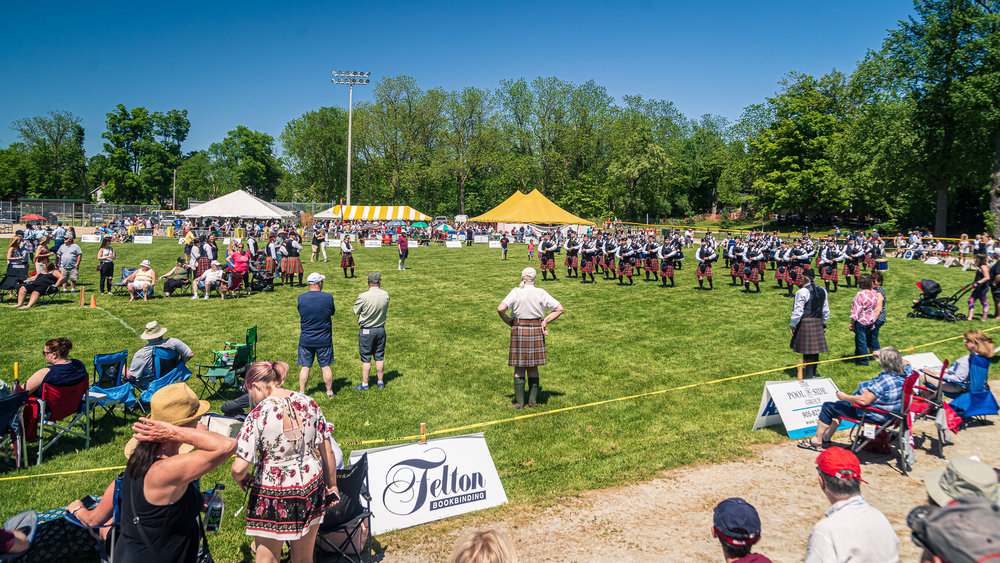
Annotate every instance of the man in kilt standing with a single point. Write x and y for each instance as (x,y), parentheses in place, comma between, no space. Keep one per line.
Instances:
(547,256)
(853,254)
(828,258)
(291,264)
(347,256)
(735,256)
(651,262)
(705,256)
(808,326)
(752,258)
(610,249)
(782,259)
(626,261)
(271,256)
(528,321)
(572,248)
(666,255)
(588,253)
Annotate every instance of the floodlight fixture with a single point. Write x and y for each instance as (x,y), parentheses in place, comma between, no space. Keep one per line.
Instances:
(352,77)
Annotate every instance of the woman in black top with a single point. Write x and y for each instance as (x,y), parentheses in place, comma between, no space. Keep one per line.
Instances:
(61,369)
(36,284)
(318,244)
(160,502)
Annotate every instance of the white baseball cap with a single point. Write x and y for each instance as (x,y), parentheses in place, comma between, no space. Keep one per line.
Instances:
(315,278)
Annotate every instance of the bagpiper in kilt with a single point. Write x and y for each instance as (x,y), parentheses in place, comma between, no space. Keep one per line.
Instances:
(666,254)
(572,263)
(799,259)
(753,257)
(271,257)
(853,253)
(609,258)
(782,258)
(705,256)
(588,253)
(808,324)
(346,256)
(651,262)
(736,261)
(626,261)
(547,256)
(828,259)
(528,306)
(291,264)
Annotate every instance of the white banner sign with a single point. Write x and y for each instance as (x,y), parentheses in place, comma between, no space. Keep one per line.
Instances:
(795,404)
(924,360)
(460,237)
(418,483)
(452,244)
(333,242)
(226,240)
(373,243)
(180,241)
(142,239)
(494,244)
(481,238)
(90,238)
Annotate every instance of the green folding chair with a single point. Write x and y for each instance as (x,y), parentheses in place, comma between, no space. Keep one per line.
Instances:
(251,342)
(225,372)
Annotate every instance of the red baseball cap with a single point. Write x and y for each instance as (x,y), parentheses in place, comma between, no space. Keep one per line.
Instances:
(841,463)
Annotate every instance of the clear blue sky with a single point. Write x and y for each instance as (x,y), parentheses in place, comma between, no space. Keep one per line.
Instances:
(261,64)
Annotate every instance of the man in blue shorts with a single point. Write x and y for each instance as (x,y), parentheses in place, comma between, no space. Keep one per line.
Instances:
(316,338)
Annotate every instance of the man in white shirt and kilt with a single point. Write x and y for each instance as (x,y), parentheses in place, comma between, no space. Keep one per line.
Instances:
(347,256)
(808,325)
(547,256)
(588,253)
(828,258)
(528,321)
(572,248)
(752,259)
(666,254)
(610,250)
(705,256)
(291,264)
(651,262)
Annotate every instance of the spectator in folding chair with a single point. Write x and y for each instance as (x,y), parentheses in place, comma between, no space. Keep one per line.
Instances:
(209,280)
(884,392)
(141,280)
(62,370)
(42,283)
(99,515)
(140,371)
(956,377)
(177,277)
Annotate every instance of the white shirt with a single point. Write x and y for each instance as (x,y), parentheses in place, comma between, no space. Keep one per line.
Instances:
(853,531)
(801,298)
(529,302)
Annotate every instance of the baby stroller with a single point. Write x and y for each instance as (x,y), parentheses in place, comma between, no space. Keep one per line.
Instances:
(260,278)
(930,306)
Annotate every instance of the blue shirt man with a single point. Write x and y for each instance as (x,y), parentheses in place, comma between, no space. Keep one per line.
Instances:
(316,311)
(57,236)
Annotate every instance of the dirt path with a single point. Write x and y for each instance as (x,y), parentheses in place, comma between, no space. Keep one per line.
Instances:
(668,519)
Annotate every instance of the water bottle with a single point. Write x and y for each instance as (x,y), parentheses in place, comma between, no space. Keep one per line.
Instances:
(216,507)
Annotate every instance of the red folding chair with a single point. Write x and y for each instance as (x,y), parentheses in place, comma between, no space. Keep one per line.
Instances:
(895,429)
(57,404)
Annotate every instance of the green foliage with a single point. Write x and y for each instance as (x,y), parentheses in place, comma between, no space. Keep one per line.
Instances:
(244,160)
(315,147)
(52,160)
(143,148)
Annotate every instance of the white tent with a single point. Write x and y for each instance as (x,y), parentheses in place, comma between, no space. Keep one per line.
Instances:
(238,204)
(372,213)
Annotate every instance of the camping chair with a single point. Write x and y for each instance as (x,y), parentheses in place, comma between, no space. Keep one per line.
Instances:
(896,428)
(232,283)
(225,373)
(16,273)
(924,407)
(58,403)
(13,434)
(105,547)
(110,387)
(978,402)
(120,287)
(346,527)
(251,342)
(167,370)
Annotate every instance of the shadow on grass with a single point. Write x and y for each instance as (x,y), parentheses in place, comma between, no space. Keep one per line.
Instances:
(390,375)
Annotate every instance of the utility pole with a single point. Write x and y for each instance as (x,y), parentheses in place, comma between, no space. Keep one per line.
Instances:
(173,203)
(352,78)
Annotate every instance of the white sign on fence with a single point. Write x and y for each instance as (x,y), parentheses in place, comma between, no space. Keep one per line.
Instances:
(481,238)
(795,404)
(369,243)
(494,244)
(142,239)
(226,240)
(452,244)
(90,238)
(460,237)
(180,241)
(418,483)
(333,242)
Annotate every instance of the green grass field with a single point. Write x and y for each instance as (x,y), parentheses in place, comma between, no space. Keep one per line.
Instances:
(446,366)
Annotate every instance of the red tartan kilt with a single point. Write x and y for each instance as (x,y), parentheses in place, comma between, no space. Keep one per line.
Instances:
(652,264)
(549,264)
(781,273)
(817,259)
(270,266)
(796,276)
(762,267)
(202,266)
(753,276)
(704,273)
(832,276)
(736,270)
(870,262)
(291,265)
(572,262)
(588,265)
(624,269)
(667,270)
(850,270)
(347,261)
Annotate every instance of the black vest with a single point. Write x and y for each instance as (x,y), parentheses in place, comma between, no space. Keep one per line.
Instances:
(814,307)
(290,250)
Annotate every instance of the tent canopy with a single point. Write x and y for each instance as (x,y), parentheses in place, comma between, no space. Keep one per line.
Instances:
(531,208)
(372,213)
(238,204)
(495,215)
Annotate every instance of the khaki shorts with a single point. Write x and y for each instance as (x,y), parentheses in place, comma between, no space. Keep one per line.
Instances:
(71,274)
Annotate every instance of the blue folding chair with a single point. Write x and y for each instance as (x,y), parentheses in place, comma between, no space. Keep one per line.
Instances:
(167,370)
(11,427)
(110,387)
(120,287)
(978,401)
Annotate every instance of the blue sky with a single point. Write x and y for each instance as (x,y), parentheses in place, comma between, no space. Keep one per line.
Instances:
(261,64)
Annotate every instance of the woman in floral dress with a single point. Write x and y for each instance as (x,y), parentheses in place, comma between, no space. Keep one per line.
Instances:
(285,439)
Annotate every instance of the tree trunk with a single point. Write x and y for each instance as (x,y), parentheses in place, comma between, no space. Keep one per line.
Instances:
(995,184)
(941,218)
(461,195)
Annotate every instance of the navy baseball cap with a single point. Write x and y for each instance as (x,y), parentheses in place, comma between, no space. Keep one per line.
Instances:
(736,522)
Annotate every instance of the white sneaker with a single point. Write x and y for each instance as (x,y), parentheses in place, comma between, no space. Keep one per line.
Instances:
(206,298)
(195,297)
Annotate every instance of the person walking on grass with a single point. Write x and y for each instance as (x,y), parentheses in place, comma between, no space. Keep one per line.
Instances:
(316,310)
(404,250)
(808,324)
(68,258)
(528,321)
(371,308)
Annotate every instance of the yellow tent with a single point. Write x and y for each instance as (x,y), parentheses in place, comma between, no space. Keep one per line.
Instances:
(493,215)
(372,213)
(533,208)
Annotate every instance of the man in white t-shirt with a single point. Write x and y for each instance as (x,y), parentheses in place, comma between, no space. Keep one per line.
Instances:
(528,321)
(211,279)
(853,530)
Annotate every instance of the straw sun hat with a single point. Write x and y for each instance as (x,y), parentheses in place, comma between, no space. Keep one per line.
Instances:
(175,404)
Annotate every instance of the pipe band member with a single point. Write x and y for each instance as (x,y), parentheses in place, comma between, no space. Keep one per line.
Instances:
(347,256)
(808,324)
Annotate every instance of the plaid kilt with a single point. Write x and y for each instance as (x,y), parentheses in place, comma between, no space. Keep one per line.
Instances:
(737,269)
(527,344)
(704,271)
(850,269)
(572,262)
(667,269)
(809,337)
(548,264)
(781,272)
(202,266)
(588,264)
(270,266)
(762,267)
(795,276)
(831,276)
(624,268)
(869,261)
(751,273)
(347,260)
(601,262)
(817,260)
(653,264)
(291,265)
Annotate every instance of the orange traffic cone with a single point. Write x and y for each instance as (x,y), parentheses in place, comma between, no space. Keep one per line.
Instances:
(93,302)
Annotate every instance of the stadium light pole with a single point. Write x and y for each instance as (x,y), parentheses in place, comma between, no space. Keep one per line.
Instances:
(350,78)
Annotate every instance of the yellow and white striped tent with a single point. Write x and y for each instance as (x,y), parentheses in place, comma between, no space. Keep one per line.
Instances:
(372,213)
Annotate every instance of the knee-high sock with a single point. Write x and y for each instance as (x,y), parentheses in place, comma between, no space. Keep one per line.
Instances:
(519,391)
(532,390)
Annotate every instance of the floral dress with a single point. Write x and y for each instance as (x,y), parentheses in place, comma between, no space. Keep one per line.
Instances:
(287,495)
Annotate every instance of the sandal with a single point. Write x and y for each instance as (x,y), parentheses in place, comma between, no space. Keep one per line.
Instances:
(808,445)
(515,406)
